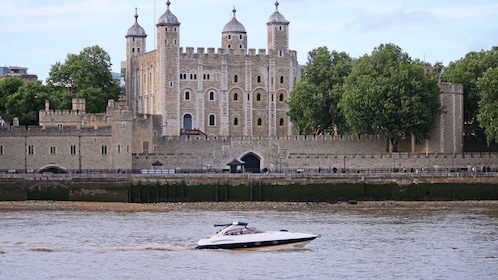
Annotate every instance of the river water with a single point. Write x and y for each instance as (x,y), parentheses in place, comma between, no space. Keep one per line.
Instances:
(367,244)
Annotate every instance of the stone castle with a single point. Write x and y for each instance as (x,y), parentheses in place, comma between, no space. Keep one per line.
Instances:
(203,109)
(231,91)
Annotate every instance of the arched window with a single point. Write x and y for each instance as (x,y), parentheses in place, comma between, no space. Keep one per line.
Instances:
(281,122)
(229,37)
(240,36)
(229,46)
(235,97)
(211,95)
(258,97)
(260,121)
(259,79)
(187,95)
(281,79)
(235,121)
(235,78)
(281,97)
(212,121)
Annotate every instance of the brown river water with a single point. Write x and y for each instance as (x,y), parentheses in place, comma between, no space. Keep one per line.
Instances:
(459,243)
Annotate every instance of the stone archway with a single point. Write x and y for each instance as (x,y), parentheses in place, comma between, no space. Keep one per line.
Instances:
(52,169)
(187,122)
(252,163)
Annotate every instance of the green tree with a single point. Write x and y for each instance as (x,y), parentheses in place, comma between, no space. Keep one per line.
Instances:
(389,94)
(84,74)
(313,101)
(8,86)
(27,102)
(488,104)
(467,71)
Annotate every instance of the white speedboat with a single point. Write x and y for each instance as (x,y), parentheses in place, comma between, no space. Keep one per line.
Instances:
(237,235)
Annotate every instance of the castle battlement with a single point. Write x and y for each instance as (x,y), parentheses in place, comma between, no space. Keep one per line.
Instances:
(201,51)
(451,88)
(61,113)
(296,138)
(56,131)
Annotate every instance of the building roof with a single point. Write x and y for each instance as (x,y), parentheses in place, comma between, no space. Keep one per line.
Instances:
(136,30)
(277,17)
(234,26)
(168,18)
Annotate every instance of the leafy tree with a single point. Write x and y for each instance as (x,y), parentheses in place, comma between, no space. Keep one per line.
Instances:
(467,71)
(488,104)
(27,102)
(389,94)
(8,86)
(85,74)
(313,102)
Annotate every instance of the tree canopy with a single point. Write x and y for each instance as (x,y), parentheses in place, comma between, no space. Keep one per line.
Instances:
(27,101)
(389,94)
(467,71)
(8,86)
(313,101)
(488,104)
(85,75)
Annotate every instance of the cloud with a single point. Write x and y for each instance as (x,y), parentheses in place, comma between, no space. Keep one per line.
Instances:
(400,18)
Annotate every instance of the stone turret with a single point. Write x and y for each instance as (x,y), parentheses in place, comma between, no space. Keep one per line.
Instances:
(278,32)
(168,46)
(135,45)
(234,35)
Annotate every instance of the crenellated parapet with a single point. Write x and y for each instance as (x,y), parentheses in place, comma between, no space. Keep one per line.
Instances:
(77,117)
(203,52)
(32,131)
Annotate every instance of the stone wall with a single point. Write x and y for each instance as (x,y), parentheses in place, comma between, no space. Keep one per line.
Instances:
(299,152)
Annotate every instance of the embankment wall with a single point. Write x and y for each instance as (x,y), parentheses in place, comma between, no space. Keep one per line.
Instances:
(146,189)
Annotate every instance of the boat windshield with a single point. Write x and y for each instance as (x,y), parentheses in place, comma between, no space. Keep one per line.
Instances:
(244,230)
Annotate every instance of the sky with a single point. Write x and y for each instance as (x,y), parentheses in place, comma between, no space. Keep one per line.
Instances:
(38,33)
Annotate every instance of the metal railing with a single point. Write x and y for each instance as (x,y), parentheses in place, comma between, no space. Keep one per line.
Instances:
(112,174)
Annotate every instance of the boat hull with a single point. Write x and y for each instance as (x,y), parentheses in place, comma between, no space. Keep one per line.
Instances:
(254,245)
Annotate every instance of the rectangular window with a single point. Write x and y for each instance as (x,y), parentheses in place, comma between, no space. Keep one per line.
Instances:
(52,150)
(212,121)
(145,146)
(73,149)
(31,150)
(1,150)
(119,149)
(104,149)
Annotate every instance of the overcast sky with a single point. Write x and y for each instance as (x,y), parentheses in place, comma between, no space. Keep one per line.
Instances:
(38,33)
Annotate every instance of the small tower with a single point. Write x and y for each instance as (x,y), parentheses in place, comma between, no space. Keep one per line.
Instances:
(278,33)
(168,57)
(135,45)
(234,35)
